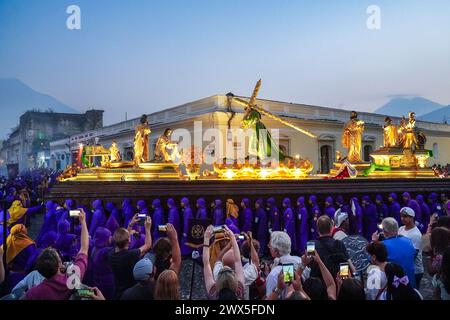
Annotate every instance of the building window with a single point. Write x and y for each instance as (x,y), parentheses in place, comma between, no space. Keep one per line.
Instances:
(326,158)
(367,151)
(435,151)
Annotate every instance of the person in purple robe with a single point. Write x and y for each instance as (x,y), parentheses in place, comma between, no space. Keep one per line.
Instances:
(157,219)
(127,212)
(329,208)
(99,267)
(50,222)
(274,215)
(426,213)
(303,228)
(48,240)
(218,214)
(340,204)
(230,224)
(408,201)
(315,213)
(65,242)
(261,225)
(111,224)
(187,215)
(69,204)
(434,205)
(137,237)
(114,212)
(201,209)
(382,208)
(356,217)
(173,216)
(141,206)
(289,223)
(394,207)
(370,217)
(98,217)
(248,215)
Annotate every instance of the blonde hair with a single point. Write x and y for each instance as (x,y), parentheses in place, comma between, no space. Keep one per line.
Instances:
(226,279)
(167,286)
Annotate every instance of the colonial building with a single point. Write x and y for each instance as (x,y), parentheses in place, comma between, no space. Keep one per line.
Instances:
(28,146)
(214,112)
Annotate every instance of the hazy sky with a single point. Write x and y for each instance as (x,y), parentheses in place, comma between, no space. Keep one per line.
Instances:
(143,56)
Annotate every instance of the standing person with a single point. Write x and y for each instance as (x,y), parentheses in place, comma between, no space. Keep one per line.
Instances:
(314,215)
(248,215)
(356,217)
(341,225)
(409,202)
(382,208)
(376,276)
(187,215)
(394,207)
(400,249)
(426,213)
(232,212)
(98,218)
(370,217)
(399,286)
(261,225)
(274,215)
(143,273)
(18,214)
(50,266)
(303,228)
(65,241)
(434,205)
(410,230)
(201,209)
(289,223)
(50,222)
(115,214)
(218,214)
(340,204)
(329,209)
(127,211)
(441,280)
(167,286)
(174,216)
(157,219)
(123,260)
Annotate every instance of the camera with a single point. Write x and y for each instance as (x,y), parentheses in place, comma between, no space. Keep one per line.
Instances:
(74,213)
(162,228)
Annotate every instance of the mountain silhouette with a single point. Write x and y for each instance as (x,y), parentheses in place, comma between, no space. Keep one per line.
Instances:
(402,105)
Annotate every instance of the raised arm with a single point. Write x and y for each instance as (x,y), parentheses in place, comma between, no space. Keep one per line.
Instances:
(176,252)
(237,255)
(2,267)
(148,237)
(207,271)
(84,238)
(326,276)
(253,254)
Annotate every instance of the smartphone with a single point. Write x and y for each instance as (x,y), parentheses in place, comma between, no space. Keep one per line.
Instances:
(310,248)
(241,237)
(85,293)
(344,270)
(218,229)
(288,272)
(74,213)
(162,228)
(380,227)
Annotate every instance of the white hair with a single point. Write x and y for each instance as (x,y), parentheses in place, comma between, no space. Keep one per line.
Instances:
(280,241)
(390,225)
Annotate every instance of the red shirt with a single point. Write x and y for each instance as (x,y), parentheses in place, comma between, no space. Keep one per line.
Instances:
(56,288)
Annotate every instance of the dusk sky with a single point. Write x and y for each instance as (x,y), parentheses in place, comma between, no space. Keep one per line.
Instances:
(143,56)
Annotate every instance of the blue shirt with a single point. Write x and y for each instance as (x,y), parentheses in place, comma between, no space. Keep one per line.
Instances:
(401,251)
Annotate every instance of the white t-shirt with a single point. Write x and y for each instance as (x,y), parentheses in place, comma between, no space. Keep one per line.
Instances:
(250,275)
(376,280)
(415,236)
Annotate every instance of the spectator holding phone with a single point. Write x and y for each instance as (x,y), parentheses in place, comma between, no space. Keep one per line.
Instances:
(167,252)
(322,287)
(441,280)
(439,241)
(229,283)
(123,260)
(49,265)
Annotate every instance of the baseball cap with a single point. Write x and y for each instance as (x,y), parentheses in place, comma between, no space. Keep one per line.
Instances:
(142,269)
(407,211)
(340,217)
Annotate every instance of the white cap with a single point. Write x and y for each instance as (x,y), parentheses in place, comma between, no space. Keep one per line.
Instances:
(340,217)
(407,211)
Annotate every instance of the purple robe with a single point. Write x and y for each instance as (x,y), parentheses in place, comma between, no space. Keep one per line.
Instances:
(426,213)
(413,204)
(112,224)
(22,264)
(261,225)
(49,224)
(289,222)
(370,218)
(394,207)
(329,209)
(356,220)
(65,242)
(218,214)
(201,209)
(382,208)
(230,224)
(48,240)
(113,212)
(303,228)
(127,212)
(157,219)
(98,218)
(248,215)
(314,214)
(187,215)
(174,215)
(274,215)
(434,205)
(340,204)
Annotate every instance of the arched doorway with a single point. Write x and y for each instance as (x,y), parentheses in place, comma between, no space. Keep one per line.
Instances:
(367,151)
(325,158)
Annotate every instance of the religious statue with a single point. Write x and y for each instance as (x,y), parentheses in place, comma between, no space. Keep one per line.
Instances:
(142,132)
(352,137)
(114,152)
(410,136)
(165,149)
(389,133)
(421,140)
(401,132)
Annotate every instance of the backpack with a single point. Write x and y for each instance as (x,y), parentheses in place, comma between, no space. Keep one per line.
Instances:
(331,259)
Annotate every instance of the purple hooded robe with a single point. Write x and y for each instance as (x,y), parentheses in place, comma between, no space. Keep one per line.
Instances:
(49,224)
(314,215)
(382,208)
(65,242)
(261,225)
(370,218)
(289,222)
(303,228)
(201,209)
(157,219)
(274,215)
(248,215)
(426,214)
(218,214)
(329,209)
(174,215)
(356,214)
(394,207)
(413,204)
(187,215)
(435,206)
(127,212)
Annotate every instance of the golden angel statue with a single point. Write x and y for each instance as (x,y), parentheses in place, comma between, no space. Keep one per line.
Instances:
(389,133)
(142,132)
(410,136)
(114,152)
(401,132)
(352,137)
(166,149)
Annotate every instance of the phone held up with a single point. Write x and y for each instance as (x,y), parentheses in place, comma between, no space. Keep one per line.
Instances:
(310,248)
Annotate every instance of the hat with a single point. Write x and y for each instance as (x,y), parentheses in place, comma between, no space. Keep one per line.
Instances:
(340,217)
(143,269)
(407,211)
